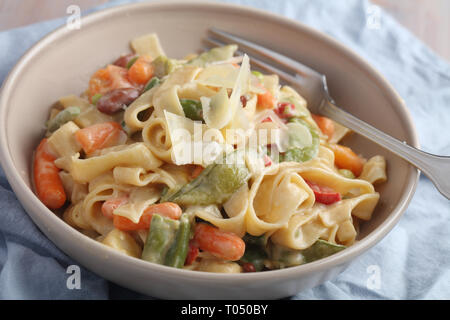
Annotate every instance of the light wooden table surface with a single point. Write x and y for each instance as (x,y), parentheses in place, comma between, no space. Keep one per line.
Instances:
(427,19)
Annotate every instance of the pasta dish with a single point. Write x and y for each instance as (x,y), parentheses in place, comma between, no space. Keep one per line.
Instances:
(201,163)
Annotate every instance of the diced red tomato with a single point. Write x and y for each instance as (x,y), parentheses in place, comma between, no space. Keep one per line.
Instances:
(324,194)
(285,110)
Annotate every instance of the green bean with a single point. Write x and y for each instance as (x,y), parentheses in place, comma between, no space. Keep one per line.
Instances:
(192,109)
(160,238)
(176,255)
(62,117)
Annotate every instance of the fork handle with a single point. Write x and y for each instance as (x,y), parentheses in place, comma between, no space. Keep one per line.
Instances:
(436,168)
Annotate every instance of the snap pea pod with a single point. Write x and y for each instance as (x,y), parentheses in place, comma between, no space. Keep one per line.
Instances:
(176,256)
(306,153)
(62,117)
(154,81)
(192,109)
(321,249)
(162,234)
(215,184)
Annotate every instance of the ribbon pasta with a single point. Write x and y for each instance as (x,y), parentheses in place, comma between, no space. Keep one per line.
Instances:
(286,190)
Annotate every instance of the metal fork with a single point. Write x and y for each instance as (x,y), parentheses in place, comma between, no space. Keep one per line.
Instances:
(313,86)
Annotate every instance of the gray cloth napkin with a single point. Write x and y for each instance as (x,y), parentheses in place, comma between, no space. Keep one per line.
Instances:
(412,262)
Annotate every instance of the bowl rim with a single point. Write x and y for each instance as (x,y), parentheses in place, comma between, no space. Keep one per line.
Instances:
(42,213)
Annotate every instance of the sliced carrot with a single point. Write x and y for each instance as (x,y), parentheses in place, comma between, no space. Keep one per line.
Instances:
(109,78)
(98,136)
(345,158)
(266,100)
(222,244)
(141,71)
(49,187)
(166,209)
(325,124)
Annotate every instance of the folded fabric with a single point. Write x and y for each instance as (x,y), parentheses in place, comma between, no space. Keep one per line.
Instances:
(411,262)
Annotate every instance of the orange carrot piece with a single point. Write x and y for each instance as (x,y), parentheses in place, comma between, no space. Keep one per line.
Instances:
(109,78)
(141,71)
(166,209)
(110,205)
(325,125)
(266,100)
(222,244)
(49,187)
(98,136)
(345,158)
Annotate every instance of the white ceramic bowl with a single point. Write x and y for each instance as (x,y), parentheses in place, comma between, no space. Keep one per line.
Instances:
(61,63)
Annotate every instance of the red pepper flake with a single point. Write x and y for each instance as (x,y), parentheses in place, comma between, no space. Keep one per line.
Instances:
(268,119)
(248,267)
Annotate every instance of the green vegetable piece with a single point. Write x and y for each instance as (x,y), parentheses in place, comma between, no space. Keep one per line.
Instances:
(95,98)
(306,153)
(154,81)
(300,110)
(346,173)
(255,251)
(162,66)
(176,256)
(131,62)
(258,74)
(192,109)
(283,257)
(162,234)
(62,117)
(215,54)
(214,185)
(321,249)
